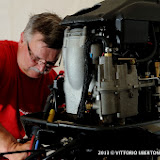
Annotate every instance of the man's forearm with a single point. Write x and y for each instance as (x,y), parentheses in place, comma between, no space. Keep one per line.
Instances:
(6,140)
(8,144)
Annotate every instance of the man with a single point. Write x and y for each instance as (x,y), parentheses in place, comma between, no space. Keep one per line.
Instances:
(25,73)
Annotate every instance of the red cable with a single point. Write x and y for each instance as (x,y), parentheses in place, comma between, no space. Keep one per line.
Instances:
(31,145)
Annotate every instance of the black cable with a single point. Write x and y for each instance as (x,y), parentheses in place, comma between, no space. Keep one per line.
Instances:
(52,147)
(104,41)
(22,151)
(154,50)
(62,150)
(87,72)
(50,97)
(58,76)
(148,65)
(34,155)
(47,105)
(87,79)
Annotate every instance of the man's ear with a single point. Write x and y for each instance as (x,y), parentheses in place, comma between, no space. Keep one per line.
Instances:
(21,40)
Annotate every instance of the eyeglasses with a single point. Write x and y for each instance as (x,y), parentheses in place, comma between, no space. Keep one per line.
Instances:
(36,60)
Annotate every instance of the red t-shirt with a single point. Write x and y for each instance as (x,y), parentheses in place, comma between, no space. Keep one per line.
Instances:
(18,92)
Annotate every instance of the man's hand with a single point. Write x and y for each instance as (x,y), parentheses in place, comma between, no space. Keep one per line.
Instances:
(18,147)
(9,144)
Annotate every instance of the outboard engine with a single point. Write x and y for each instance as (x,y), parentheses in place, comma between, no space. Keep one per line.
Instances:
(111,89)
(111,56)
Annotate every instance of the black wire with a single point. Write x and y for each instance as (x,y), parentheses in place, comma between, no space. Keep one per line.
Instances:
(87,72)
(45,149)
(74,144)
(58,76)
(33,156)
(14,152)
(154,50)
(104,41)
(87,79)
(52,146)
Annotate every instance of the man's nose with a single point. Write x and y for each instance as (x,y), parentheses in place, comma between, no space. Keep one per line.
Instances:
(41,67)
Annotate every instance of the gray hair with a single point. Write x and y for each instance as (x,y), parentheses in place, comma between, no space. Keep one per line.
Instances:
(48,24)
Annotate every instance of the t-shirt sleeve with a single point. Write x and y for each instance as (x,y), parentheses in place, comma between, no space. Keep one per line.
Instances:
(8,52)
(53,74)
(2,58)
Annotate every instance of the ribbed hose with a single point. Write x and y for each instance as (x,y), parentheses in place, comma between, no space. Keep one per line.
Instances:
(87,79)
(87,72)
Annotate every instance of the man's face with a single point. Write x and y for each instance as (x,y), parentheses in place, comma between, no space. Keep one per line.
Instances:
(34,58)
